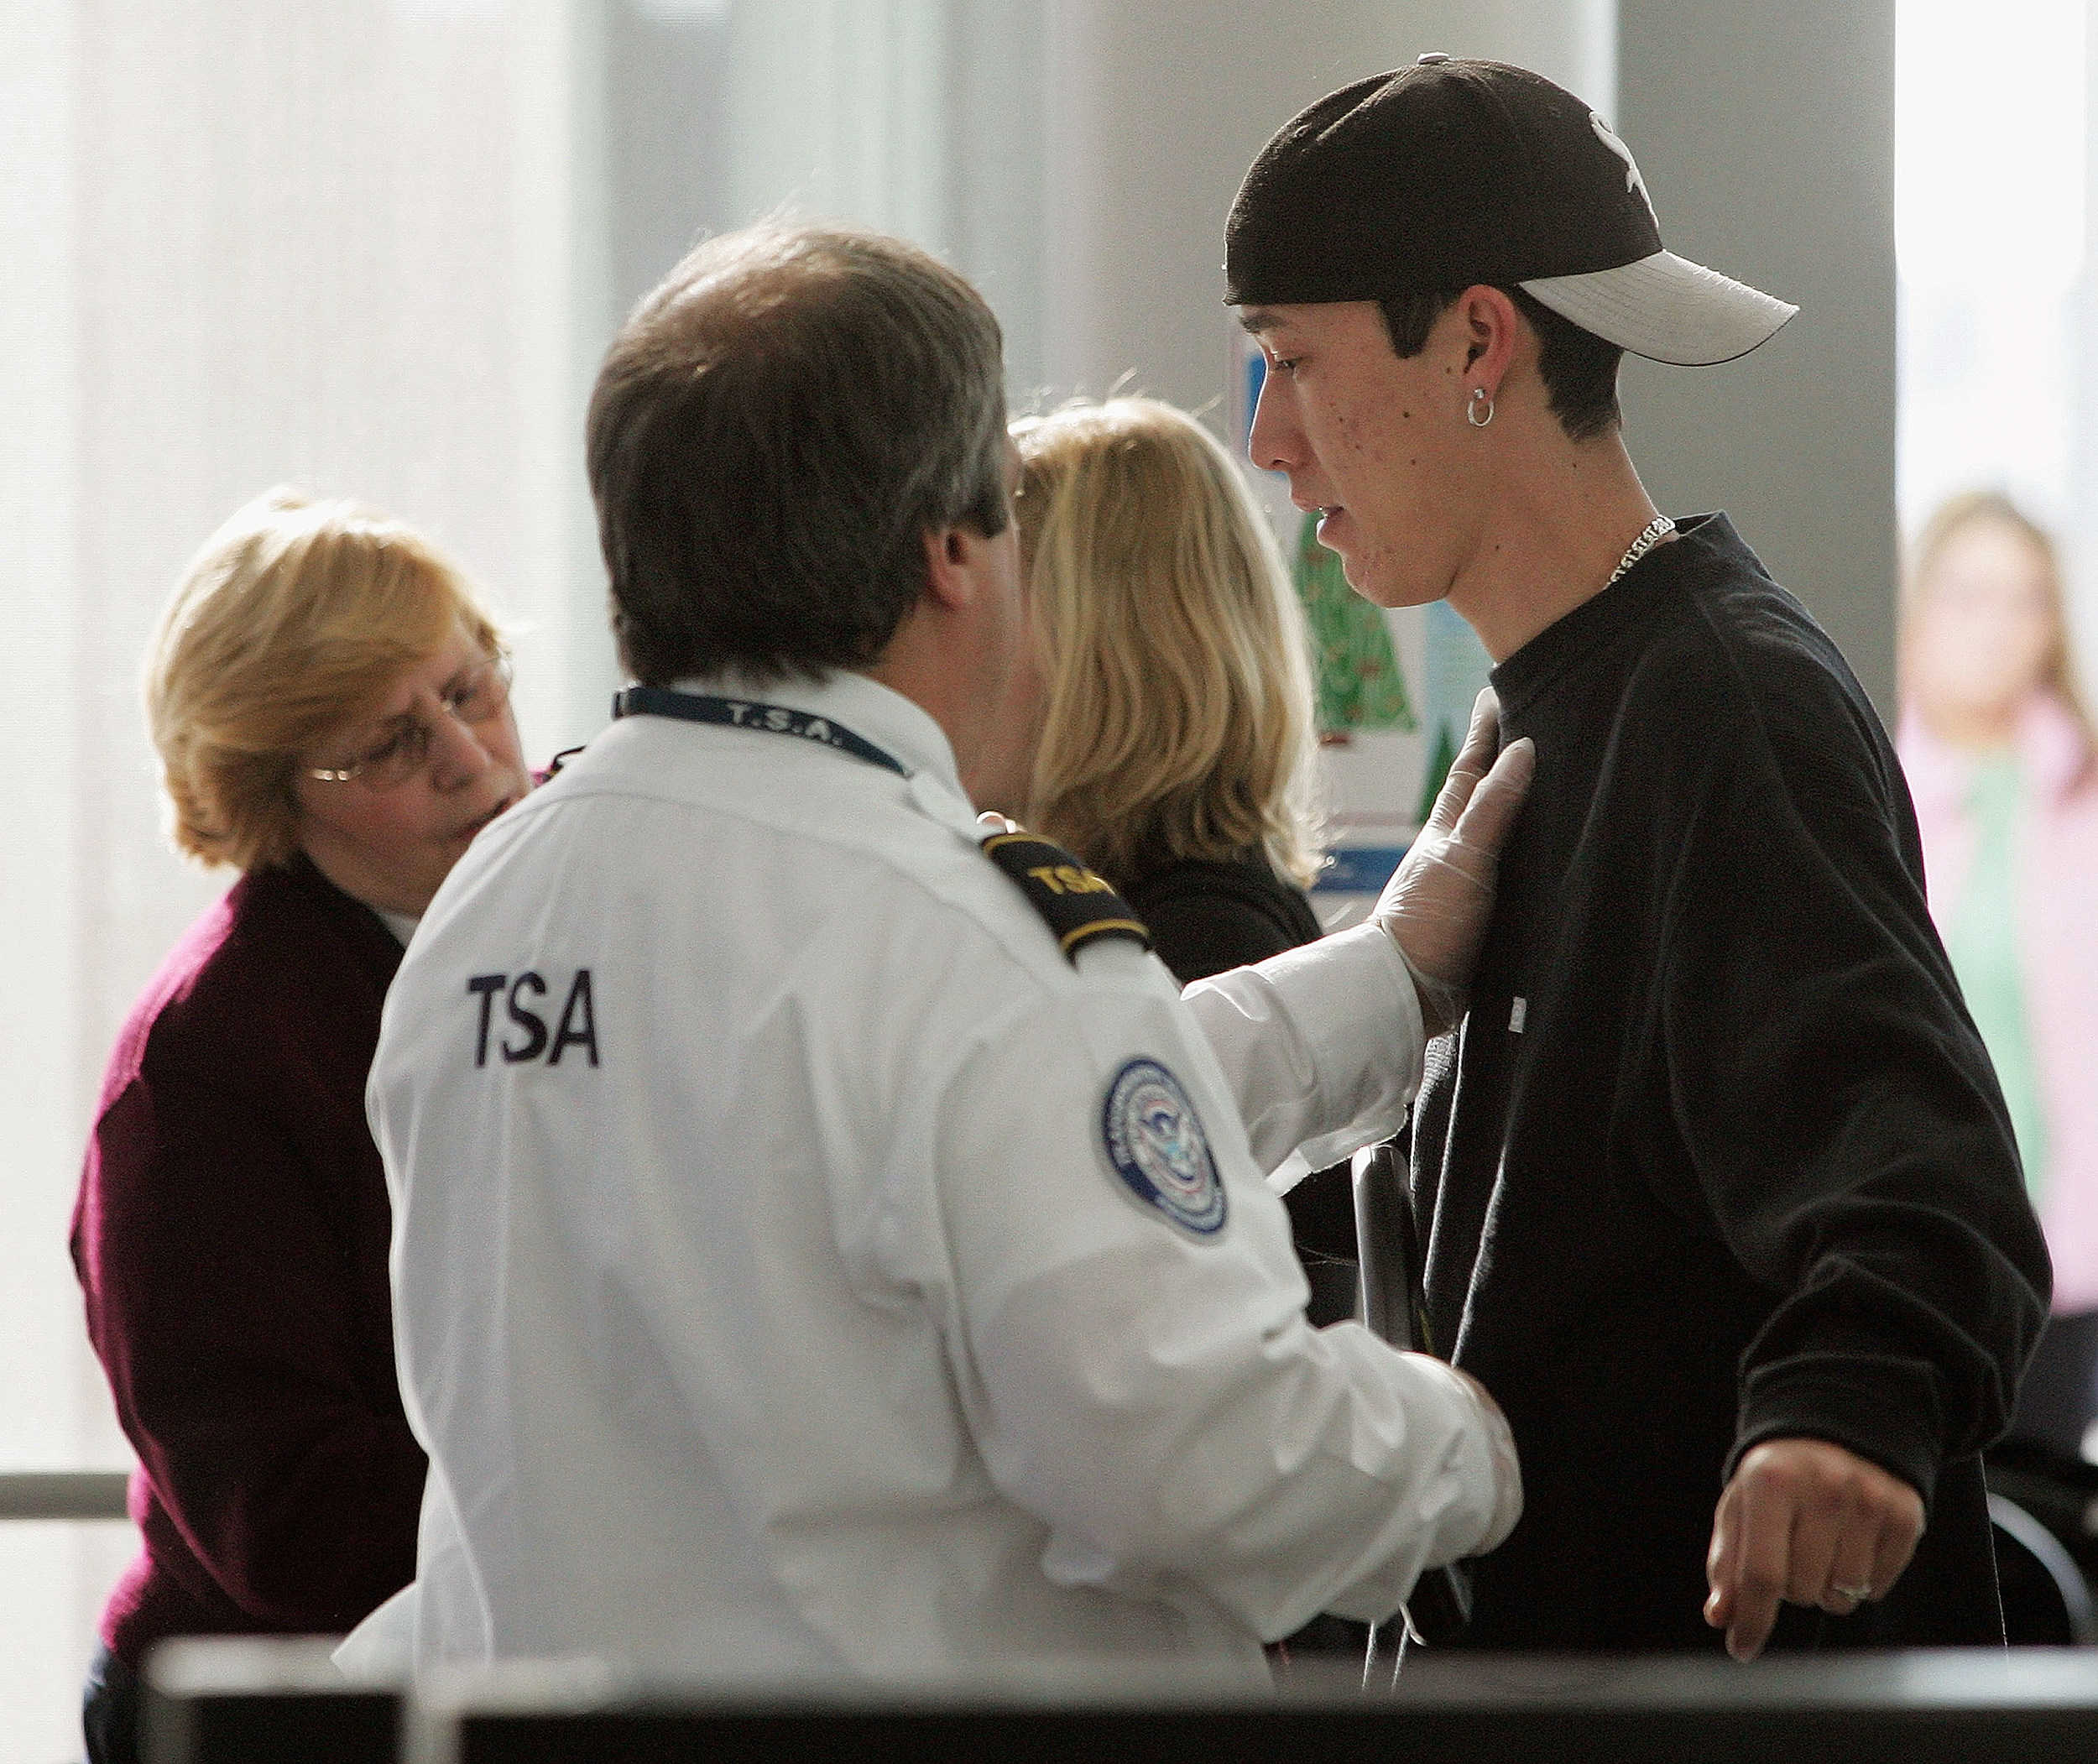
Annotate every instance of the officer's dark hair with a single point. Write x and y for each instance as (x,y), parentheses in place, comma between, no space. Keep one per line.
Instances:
(1578,368)
(774,432)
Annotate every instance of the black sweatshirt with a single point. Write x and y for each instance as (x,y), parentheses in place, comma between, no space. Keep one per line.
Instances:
(1716,1155)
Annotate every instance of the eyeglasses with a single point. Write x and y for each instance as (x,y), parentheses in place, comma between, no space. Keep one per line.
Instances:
(473,700)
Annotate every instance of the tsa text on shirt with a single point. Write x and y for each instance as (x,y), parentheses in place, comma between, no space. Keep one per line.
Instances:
(577,1027)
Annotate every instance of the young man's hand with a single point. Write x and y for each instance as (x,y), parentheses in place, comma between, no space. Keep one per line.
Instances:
(1806,1521)
(1437,904)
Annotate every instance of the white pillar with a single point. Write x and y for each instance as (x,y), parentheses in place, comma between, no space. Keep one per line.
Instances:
(2079,527)
(53,1411)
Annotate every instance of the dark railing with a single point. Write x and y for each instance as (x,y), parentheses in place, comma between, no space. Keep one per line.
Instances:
(63,1494)
(259,1700)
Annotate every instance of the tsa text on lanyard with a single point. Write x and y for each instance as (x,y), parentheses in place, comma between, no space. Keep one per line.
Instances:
(1078,907)
(755,715)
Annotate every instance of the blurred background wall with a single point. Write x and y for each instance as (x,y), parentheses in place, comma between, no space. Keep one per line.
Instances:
(1767,135)
(241,243)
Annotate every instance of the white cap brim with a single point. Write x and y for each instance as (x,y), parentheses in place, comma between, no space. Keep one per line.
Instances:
(1666,309)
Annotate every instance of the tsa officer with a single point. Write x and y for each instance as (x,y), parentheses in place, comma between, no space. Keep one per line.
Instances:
(826,1241)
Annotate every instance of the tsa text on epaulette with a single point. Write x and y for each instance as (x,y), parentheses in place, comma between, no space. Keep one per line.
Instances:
(1079,907)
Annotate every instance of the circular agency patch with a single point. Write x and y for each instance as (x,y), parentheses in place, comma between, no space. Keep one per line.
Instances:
(1155,1144)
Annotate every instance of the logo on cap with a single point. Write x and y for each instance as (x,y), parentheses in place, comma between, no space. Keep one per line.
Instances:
(1608,137)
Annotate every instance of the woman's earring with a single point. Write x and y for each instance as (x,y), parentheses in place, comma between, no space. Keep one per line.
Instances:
(1473,413)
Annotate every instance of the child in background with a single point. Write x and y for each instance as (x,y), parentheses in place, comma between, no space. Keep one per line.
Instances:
(1998,749)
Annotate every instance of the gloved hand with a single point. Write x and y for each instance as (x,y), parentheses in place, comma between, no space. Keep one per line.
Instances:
(1501,1443)
(1437,903)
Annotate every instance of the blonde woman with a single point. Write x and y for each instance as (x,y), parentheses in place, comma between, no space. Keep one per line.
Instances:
(1178,750)
(1998,747)
(330,707)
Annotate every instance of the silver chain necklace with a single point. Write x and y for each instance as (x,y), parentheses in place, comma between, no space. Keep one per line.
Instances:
(1658,528)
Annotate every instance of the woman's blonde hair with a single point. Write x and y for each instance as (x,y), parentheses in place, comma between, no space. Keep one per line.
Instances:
(1953,516)
(1178,721)
(295,615)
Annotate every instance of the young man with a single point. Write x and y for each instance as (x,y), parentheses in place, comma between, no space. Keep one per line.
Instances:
(1718,1194)
(825,1241)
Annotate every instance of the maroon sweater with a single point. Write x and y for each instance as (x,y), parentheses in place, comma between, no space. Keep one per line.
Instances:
(230,1236)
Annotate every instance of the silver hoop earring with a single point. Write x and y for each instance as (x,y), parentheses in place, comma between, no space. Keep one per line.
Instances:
(1471,411)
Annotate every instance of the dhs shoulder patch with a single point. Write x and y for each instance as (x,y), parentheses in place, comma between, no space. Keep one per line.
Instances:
(1079,906)
(1156,1145)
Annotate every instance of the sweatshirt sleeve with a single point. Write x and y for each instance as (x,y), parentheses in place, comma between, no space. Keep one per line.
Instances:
(1842,1123)
(219,1300)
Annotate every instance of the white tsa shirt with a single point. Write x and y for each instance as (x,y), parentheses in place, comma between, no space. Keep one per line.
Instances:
(802,1267)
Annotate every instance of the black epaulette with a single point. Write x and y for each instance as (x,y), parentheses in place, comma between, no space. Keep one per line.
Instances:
(1079,906)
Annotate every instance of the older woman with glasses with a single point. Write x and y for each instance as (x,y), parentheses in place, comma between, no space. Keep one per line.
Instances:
(331,709)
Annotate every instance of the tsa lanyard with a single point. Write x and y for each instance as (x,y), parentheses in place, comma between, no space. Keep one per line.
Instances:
(755,715)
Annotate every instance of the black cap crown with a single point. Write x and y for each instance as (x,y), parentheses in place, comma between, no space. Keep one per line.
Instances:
(1429,180)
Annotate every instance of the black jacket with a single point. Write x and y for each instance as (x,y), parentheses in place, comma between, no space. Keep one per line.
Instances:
(1205,917)
(1717,1156)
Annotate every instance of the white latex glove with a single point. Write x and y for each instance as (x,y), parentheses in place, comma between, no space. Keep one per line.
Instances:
(1500,1441)
(1437,903)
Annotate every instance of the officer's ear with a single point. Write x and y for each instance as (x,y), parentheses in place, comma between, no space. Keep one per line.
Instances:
(954,562)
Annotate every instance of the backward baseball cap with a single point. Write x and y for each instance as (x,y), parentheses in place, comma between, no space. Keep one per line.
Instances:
(1450,173)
